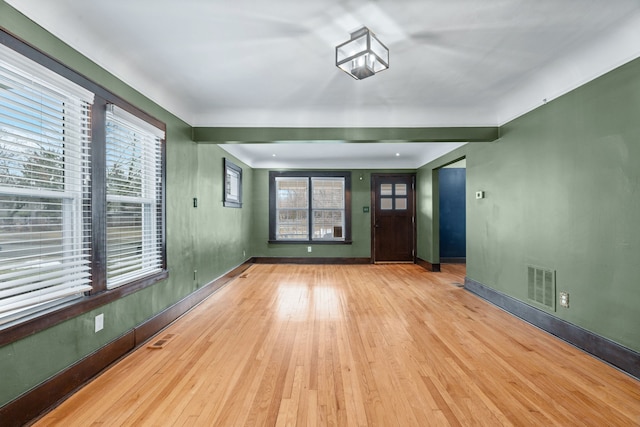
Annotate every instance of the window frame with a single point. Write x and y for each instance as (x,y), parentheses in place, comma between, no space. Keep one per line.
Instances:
(309,175)
(99,295)
(231,197)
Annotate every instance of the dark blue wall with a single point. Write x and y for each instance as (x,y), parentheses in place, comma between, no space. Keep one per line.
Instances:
(453,231)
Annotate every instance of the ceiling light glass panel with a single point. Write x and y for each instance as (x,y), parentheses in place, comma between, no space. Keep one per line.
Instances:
(382,54)
(352,49)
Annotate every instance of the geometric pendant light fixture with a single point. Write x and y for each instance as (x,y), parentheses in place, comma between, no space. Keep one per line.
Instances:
(363,55)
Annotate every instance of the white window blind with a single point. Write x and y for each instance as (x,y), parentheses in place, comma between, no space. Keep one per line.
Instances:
(45,227)
(328,208)
(292,208)
(134,197)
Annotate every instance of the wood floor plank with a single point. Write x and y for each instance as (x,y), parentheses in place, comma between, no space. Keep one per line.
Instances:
(359,345)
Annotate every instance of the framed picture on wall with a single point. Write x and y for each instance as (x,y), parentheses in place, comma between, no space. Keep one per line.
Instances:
(232,185)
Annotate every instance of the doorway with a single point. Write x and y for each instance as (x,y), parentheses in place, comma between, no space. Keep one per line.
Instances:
(393,223)
(452,212)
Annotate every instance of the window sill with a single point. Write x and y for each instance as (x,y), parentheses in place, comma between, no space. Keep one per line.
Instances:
(22,328)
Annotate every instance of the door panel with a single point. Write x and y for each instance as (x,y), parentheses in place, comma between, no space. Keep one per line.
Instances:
(393,226)
(452,212)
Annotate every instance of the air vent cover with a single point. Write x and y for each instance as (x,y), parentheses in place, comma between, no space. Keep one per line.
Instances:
(542,286)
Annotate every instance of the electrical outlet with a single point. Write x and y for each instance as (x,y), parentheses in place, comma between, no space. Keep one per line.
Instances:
(564,299)
(308,248)
(99,322)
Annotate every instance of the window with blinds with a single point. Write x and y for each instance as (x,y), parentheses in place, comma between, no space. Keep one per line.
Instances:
(292,208)
(45,204)
(327,208)
(307,206)
(134,197)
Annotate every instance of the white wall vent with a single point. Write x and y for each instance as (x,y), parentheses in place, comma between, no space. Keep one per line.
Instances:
(542,286)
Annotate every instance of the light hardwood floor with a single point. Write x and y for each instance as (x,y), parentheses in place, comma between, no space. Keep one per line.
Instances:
(367,345)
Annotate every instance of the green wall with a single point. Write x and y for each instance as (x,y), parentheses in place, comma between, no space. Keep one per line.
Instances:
(223,234)
(209,239)
(360,221)
(562,188)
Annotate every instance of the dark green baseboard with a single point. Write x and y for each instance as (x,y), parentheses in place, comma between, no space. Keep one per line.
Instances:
(316,260)
(427,265)
(453,260)
(621,357)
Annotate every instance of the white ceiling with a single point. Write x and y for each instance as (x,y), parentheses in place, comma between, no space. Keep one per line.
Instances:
(341,155)
(254,63)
